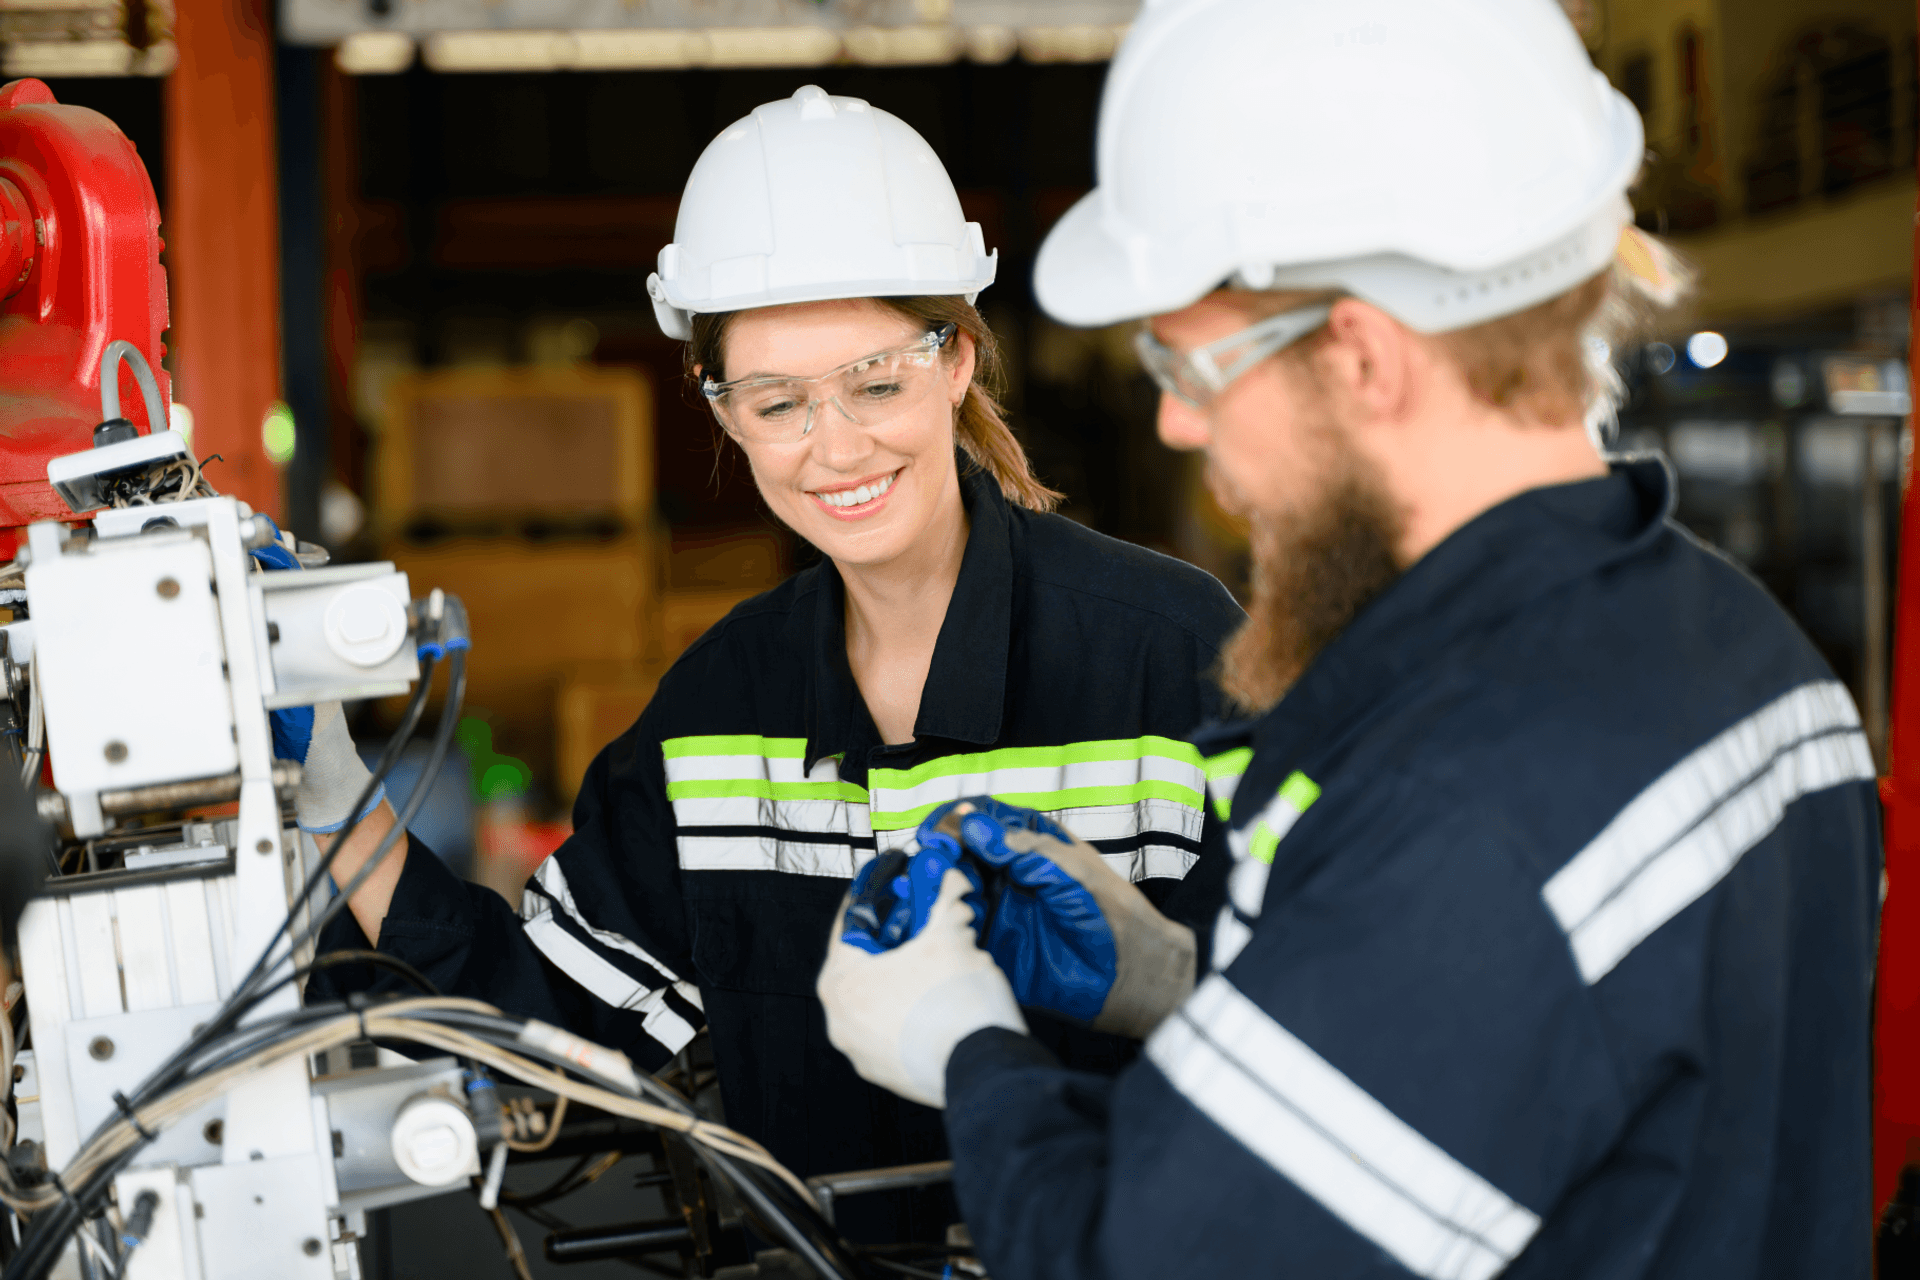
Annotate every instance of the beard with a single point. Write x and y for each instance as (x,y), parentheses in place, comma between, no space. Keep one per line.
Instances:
(1315,566)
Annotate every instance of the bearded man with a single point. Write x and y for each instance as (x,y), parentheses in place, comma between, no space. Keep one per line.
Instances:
(1548,941)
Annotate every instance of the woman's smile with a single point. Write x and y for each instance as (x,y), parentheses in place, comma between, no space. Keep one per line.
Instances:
(858,500)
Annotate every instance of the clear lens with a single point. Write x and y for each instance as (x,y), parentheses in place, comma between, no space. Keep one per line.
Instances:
(869,392)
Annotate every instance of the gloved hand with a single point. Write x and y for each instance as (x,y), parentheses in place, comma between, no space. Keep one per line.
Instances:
(898,1013)
(1074,937)
(332,775)
(315,738)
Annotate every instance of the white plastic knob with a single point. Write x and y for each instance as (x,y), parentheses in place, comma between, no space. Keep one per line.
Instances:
(433,1141)
(365,626)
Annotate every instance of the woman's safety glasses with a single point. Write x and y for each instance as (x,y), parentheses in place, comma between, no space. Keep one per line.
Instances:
(869,392)
(1195,378)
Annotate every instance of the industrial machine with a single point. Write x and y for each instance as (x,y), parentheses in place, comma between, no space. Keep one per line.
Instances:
(172,1110)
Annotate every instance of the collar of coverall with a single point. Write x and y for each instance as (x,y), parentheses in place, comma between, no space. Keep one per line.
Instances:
(1490,566)
(966,684)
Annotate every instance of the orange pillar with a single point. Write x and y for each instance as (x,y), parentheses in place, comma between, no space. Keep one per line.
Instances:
(222,231)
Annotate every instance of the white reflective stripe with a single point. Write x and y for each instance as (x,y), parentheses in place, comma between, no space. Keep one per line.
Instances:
(1222,789)
(769,853)
(1035,780)
(579,962)
(1278,818)
(1231,935)
(1329,1137)
(825,817)
(1680,836)
(551,878)
(772,768)
(1152,862)
(1118,821)
(1247,886)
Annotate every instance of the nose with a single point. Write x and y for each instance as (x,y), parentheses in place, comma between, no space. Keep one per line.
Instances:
(838,441)
(1181,425)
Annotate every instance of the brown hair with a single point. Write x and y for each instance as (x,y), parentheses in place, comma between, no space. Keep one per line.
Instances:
(1549,364)
(1533,363)
(979,429)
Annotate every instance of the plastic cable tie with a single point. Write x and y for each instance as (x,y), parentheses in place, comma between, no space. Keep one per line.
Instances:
(459,642)
(66,1195)
(357,1001)
(588,1056)
(133,1117)
(431,649)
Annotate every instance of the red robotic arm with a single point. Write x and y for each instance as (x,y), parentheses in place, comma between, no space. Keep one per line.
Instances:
(79,268)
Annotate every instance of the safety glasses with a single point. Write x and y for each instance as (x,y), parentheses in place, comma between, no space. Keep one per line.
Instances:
(1197,377)
(869,392)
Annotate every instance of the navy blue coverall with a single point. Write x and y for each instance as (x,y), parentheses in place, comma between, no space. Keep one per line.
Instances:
(1547,954)
(714,839)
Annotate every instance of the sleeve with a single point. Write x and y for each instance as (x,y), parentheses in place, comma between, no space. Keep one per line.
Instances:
(1395,1076)
(600,942)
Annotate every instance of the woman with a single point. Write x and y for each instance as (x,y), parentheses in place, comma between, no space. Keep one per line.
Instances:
(955,640)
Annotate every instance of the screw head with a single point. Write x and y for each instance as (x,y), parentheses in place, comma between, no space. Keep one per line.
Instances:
(311,1248)
(168,588)
(116,751)
(215,1132)
(264,846)
(100,1048)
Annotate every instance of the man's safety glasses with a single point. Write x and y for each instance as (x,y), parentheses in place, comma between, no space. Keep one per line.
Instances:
(869,392)
(1195,378)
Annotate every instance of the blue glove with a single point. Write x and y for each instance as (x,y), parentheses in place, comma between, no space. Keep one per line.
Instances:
(1046,930)
(893,896)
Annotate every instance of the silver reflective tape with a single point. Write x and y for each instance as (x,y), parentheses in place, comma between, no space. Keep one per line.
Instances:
(1334,1141)
(1680,836)
(608,984)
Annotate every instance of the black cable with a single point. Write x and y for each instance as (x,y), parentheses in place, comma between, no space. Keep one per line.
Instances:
(378,959)
(442,741)
(51,1227)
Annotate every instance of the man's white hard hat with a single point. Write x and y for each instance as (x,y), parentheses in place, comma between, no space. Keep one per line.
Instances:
(816,197)
(1449,161)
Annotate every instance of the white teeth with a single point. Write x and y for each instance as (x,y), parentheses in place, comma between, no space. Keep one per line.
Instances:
(857,497)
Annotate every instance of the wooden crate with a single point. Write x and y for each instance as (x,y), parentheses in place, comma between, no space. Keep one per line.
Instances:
(539,610)
(468,448)
(596,705)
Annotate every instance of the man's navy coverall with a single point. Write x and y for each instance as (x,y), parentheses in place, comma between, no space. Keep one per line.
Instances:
(1548,952)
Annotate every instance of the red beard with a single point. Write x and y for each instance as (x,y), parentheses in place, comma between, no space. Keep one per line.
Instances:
(1314,568)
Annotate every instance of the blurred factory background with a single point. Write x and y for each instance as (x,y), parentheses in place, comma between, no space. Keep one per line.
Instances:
(408,241)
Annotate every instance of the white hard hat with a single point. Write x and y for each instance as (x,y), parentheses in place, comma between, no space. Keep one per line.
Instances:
(816,197)
(1447,160)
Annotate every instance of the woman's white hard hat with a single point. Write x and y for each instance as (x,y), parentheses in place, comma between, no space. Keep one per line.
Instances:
(1450,161)
(815,197)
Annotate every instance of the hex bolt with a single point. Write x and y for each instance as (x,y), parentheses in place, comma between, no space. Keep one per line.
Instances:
(311,1248)
(116,751)
(101,1048)
(168,588)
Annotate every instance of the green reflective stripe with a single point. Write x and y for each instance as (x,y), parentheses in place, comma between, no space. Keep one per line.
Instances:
(762,789)
(1265,841)
(1228,763)
(1300,791)
(1224,771)
(1037,758)
(736,744)
(1053,801)
(1295,797)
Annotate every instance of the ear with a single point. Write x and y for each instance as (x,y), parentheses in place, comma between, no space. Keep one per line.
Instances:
(960,372)
(1368,361)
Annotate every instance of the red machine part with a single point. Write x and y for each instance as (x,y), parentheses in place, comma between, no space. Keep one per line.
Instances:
(1896,1100)
(79,268)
